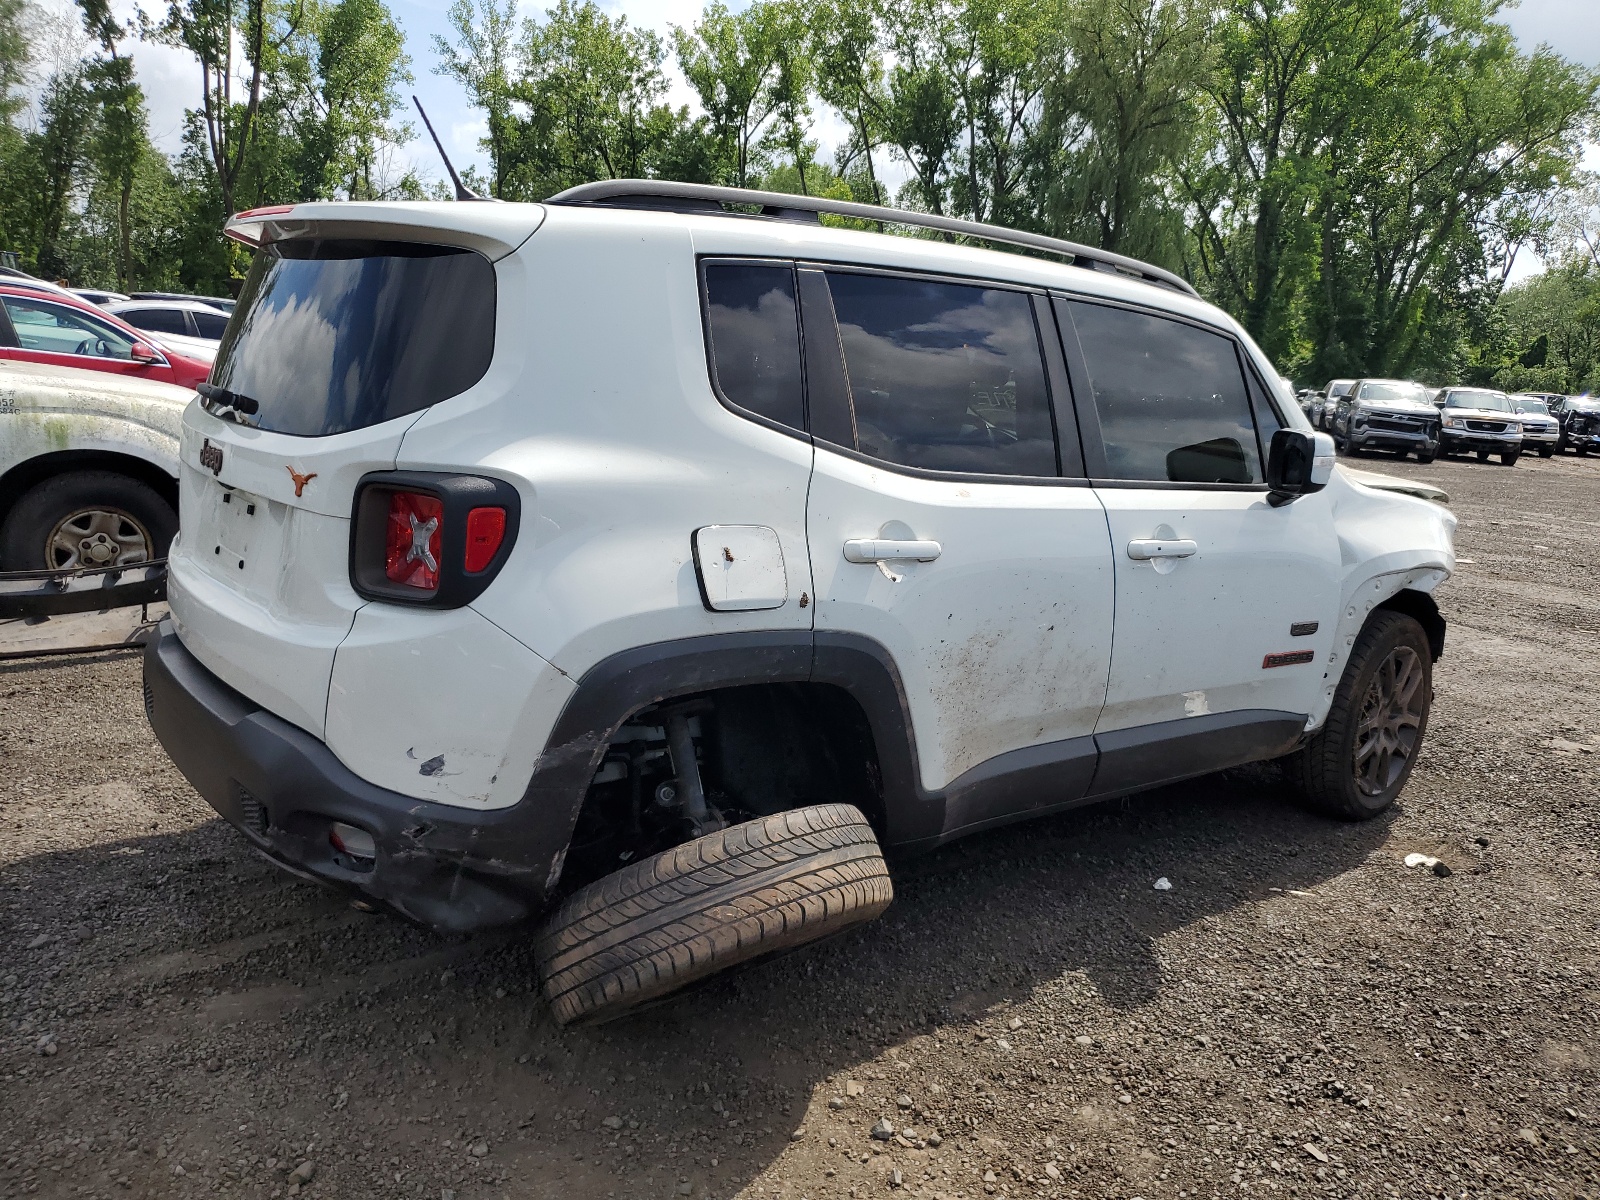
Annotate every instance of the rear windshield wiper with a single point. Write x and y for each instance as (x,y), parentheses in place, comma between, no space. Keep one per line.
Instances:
(219,401)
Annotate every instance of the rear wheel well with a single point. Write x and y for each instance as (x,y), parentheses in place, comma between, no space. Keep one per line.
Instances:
(25,475)
(761,749)
(1422,608)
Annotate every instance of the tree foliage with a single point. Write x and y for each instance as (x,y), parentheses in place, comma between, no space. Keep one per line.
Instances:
(1352,179)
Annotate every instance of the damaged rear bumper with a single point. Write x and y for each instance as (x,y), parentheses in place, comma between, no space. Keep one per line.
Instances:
(450,869)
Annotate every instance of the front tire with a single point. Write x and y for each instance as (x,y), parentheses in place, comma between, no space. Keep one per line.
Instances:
(676,918)
(1426,458)
(1510,460)
(1483,456)
(1356,764)
(86,519)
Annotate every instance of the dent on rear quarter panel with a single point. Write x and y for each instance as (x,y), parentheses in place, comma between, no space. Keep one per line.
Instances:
(441,705)
(1388,542)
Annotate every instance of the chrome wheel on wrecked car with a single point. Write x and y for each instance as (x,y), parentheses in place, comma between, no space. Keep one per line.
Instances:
(1391,722)
(97,537)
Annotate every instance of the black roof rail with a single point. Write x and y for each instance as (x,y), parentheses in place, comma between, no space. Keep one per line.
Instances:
(708,198)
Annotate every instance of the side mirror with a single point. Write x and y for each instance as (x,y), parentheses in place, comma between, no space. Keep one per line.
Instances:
(142,353)
(1298,464)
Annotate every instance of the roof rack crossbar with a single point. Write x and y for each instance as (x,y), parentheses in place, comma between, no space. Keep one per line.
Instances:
(616,193)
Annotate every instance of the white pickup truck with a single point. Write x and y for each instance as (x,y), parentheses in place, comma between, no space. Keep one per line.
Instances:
(88,467)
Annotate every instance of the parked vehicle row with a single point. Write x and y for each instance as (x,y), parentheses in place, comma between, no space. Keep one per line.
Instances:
(1406,417)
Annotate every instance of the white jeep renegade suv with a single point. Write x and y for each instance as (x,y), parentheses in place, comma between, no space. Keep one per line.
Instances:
(660,550)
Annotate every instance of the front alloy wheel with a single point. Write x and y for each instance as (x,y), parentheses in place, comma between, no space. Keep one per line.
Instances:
(97,537)
(1356,764)
(1391,722)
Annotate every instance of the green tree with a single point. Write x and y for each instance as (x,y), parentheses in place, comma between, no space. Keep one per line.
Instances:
(121,138)
(848,60)
(731,60)
(1118,117)
(592,85)
(348,127)
(484,60)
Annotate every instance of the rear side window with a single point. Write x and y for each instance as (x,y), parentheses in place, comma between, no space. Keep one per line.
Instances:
(1170,397)
(753,326)
(157,320)
(210,325)
(334,335)
(945,376)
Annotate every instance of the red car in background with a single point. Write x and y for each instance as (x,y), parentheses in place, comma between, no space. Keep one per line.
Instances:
(44,324)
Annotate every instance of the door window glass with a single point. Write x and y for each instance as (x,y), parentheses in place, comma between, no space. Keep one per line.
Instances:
(1170,397)
(754,328)
(945,376)
(210,325)
(58,329)
(156,320)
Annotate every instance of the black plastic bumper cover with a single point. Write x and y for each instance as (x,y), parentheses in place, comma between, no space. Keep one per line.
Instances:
(450,869)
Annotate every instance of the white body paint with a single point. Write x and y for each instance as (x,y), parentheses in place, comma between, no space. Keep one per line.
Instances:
(1030,624)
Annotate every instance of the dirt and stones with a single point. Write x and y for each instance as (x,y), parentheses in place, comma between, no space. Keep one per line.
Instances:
(1299,1015)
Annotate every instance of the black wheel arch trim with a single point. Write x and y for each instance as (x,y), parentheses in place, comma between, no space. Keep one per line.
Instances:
(1015,785)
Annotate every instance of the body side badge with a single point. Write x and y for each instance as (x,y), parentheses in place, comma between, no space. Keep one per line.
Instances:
(1288,659)
(1303,628)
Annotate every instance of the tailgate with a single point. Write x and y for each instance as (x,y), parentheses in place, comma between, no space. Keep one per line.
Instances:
(260,582)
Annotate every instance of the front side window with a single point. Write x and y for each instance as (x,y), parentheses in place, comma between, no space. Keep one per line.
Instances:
(340,334)
(1170,396)
(753,326)
(59,329)
(945,376)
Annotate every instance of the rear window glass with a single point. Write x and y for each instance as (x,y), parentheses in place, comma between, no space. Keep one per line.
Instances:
(754,328)
(157,320)
(210,325)
(333,335)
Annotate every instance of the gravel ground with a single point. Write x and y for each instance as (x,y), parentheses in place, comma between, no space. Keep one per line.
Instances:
(1299,1015)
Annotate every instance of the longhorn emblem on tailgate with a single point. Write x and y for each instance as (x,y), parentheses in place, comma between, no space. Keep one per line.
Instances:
(300,480)
(211,457)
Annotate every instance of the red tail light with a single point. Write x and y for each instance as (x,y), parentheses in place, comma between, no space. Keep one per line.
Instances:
(486,529)
(414,546)
(430,538)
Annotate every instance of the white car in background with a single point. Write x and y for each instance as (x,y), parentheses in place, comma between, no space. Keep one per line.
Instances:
(191,326)
(88,467)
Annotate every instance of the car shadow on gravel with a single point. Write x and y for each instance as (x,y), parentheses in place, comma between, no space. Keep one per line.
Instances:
(258,992)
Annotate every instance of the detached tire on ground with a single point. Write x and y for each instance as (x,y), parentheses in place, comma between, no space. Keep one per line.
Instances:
(683,915)
(1356,764)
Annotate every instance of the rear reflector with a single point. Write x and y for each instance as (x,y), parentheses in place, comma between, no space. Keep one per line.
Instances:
(486,529)
(347,839)
(414,545)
